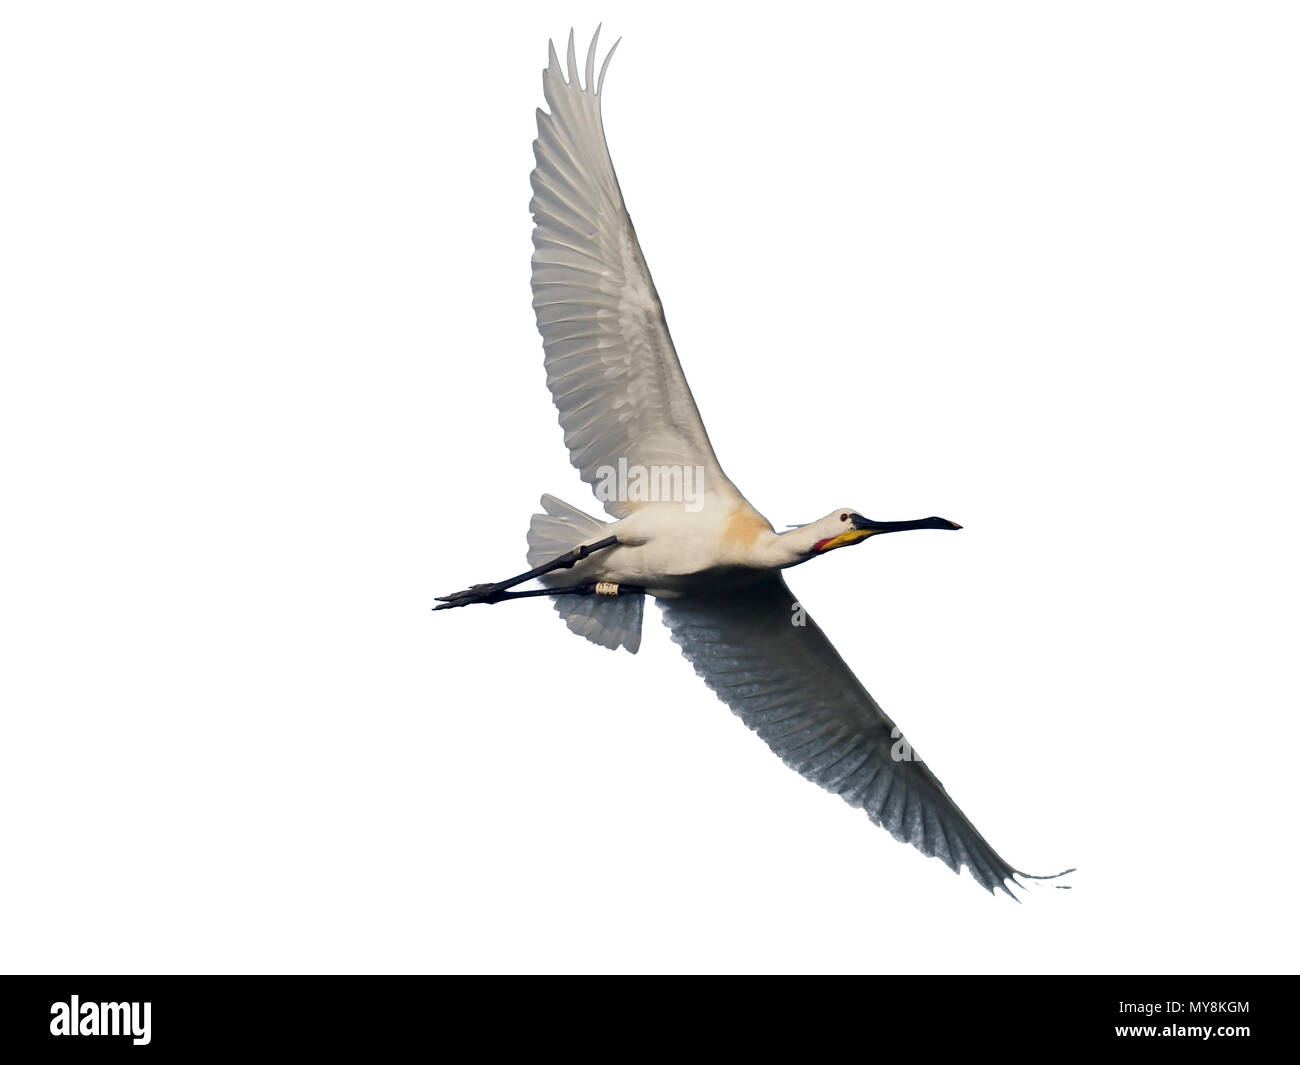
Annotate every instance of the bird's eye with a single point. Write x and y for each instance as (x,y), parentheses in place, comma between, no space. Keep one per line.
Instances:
(844,517)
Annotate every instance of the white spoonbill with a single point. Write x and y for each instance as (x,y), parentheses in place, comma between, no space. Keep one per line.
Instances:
(682,532)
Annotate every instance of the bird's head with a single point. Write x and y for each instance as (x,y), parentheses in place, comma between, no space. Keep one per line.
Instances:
(846,526)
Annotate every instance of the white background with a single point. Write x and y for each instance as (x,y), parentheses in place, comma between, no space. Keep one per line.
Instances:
(271,382)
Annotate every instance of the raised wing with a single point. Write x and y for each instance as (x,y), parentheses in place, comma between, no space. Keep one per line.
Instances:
(610,363)
(788,684)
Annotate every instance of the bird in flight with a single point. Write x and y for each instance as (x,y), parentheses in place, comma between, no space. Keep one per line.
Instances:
(681,531)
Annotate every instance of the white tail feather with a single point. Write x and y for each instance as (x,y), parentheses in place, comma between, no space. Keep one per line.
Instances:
(611,622)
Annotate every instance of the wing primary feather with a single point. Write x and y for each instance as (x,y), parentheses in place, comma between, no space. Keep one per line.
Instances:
(600,81)
(591,59)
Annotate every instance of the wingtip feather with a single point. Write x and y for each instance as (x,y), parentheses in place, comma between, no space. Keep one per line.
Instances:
(572,58)
(600,81)
(591,58)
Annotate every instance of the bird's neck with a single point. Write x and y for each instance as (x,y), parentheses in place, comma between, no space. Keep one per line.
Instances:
(749,538)
(773,550)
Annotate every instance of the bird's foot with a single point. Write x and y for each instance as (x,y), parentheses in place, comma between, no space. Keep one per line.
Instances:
(477,593)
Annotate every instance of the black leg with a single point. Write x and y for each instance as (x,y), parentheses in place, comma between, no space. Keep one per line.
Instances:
(576,589)
(494,593)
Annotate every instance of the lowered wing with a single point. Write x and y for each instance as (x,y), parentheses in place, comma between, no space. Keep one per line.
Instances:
(787,683)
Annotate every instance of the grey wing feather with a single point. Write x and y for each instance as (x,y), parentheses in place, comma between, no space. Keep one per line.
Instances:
(610,363)
(788,684)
